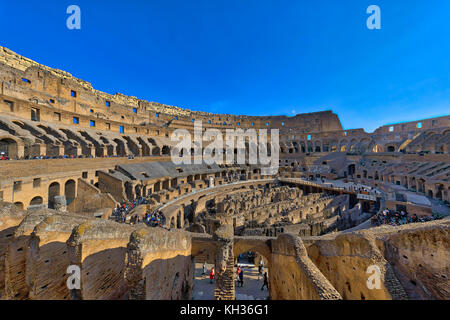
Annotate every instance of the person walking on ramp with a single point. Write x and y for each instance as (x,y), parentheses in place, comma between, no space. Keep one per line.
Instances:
(266,282)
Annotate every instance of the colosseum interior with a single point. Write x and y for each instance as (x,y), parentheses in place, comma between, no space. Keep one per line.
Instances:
(88,180)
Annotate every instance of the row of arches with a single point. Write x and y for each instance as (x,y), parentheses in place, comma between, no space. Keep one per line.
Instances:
(327,145)
(54,189)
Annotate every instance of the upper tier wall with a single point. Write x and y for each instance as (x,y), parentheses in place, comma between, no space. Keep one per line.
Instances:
(28,80)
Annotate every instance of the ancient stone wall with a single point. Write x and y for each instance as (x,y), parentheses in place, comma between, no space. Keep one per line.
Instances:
(158,265)
(412,259)
(10,217)
(120,262)
(99,247)
(419,256)
(48,258)
(90,200)
(293,276)
(344,261)
(16,287)
(224,263)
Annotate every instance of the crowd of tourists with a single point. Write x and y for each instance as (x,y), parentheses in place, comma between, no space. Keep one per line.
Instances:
(155,218)
(5,156)
(396,218)
(123,212)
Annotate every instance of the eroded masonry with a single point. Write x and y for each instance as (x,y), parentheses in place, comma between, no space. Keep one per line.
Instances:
(86,179)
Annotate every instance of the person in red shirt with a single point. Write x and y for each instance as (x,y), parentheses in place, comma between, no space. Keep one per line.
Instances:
(238,272)
(211,275)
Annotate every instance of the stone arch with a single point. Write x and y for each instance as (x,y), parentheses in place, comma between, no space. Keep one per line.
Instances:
(70,190)
(19,204)
(246,244)
(180,220)
(53,190)
(137,190)
(390,148)
(156,151)
(439,191)
(165,150)
(36,201)
(12,146)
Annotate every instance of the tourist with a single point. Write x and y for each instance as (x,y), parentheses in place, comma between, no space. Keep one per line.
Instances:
(241,277)
(238,272)
(211,275)
(204,268)
(266,282)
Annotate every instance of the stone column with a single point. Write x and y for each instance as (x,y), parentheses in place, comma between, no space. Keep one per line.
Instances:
(224,263)
(60,203)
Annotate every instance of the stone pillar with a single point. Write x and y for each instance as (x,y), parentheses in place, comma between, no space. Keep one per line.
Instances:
(42,149)
(78,150)
(224,263)
(60,150)
(20,151)
(92,151)
(60,203)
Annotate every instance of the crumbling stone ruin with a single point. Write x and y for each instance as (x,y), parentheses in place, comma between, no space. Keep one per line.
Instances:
(87,180)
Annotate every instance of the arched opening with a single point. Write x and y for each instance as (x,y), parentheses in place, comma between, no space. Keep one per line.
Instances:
(129,191)
(165,150)
(137,191)
(36,201)
(19,204)
(439,191)
(179,220)
(156,151)
(251,260)
(8,148)
(351,169)
(421,185)
(69,190)
(390,149)
(53,190)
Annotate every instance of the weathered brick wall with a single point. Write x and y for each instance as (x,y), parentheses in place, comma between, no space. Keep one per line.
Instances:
(293,276)
(98,247)
(420,259)
(224,263)
(90,200)
(158,265)
(48,258)
(10,217)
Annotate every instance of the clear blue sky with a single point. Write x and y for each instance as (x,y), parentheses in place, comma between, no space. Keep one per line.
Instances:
(250,57)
